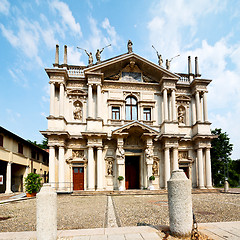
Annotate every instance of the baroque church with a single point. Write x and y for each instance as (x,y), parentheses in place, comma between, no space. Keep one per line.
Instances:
(129,117)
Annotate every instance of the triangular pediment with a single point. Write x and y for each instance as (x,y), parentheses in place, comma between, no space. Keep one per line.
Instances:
(135,125)
(131,67)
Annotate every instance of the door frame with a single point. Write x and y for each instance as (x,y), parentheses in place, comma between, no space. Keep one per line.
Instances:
(141,170)
(79,164)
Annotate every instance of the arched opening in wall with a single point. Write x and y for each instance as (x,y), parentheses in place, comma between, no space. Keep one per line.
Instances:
(131,108)
(181,115)
(77,112)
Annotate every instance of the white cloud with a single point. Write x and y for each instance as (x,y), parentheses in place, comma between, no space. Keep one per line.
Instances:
(67,17)
(25,39)
(12,115)
(112,35)
(4,7)
(74,56)
(19,77)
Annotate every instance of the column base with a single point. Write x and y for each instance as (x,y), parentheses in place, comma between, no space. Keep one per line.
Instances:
(99,189)
(91,189)
(201,187)
(8,192)
(209,187)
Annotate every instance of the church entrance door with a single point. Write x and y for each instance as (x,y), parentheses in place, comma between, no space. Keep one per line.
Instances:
(132,172)
(78,178)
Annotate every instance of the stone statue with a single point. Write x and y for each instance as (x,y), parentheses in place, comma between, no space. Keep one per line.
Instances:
(181,115)
(98,55)
(129,45)
(120,152)
(90,58)
(167,64)
(110,168)
(155,168)
(160,60)
(77,113)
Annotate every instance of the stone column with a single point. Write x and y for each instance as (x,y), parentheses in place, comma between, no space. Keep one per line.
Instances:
(165,102)
(90,101)
(166,165)
(198,106)
(61,169)
(175,158)
(99,169)
(99,101)
(61,100)
(208,169)
(9,177)
(205,112)
(90,169)
(47,213)
(52,98)
(193,111)
(52,166)
(174,116)
(180,204)
(200,169)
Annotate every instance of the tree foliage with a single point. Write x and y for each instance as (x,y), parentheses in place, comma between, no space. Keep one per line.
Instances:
(220,156)
(43,144)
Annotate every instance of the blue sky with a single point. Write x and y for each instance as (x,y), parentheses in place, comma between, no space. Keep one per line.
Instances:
(29,31)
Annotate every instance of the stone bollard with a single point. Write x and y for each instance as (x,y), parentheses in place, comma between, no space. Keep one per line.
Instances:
(47,213)
(226,186)
(180,204)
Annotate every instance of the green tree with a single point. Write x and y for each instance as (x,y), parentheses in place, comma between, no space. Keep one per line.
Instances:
(43,144)
(220,156)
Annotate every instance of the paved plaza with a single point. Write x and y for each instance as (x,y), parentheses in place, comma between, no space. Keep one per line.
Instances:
(117,212)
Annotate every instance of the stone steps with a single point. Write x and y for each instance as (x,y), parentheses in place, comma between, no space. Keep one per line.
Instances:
(137,192)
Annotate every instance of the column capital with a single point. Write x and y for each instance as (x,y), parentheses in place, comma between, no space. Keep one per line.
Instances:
(89,84)
(99,148)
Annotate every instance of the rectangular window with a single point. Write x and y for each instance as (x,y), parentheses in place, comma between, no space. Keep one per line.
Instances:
(33,154)
(147,114)
(20,148)
(1,140)
(116,113)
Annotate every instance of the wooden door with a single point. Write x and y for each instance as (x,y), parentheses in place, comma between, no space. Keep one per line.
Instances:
(78,178)
(132,172)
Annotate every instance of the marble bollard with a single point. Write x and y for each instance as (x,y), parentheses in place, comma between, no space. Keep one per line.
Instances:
(47,213)
(226,186)
(180,204)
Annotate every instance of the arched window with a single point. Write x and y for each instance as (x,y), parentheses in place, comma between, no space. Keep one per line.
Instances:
(131,108)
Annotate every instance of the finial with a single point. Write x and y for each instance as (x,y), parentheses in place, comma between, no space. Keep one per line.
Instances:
(65,55)
(56,56)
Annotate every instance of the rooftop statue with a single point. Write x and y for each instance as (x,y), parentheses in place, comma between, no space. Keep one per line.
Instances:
(98,53)
(90,57)
(129,45)
(160,60)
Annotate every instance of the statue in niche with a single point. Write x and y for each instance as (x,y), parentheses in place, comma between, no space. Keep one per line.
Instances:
(155,168)
(183,155)
(77,112)
(129,46)
(120,152)
(109,168)
(181,115)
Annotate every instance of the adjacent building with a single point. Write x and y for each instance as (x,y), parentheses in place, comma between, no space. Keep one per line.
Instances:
(126,116)
(19,157)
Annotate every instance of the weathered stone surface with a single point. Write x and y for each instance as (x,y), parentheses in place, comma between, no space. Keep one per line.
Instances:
(47,213)
(180,204)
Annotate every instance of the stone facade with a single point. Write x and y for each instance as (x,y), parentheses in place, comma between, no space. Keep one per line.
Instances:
(126,116)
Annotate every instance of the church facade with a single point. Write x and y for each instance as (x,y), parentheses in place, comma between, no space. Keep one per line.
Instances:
(129,117)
